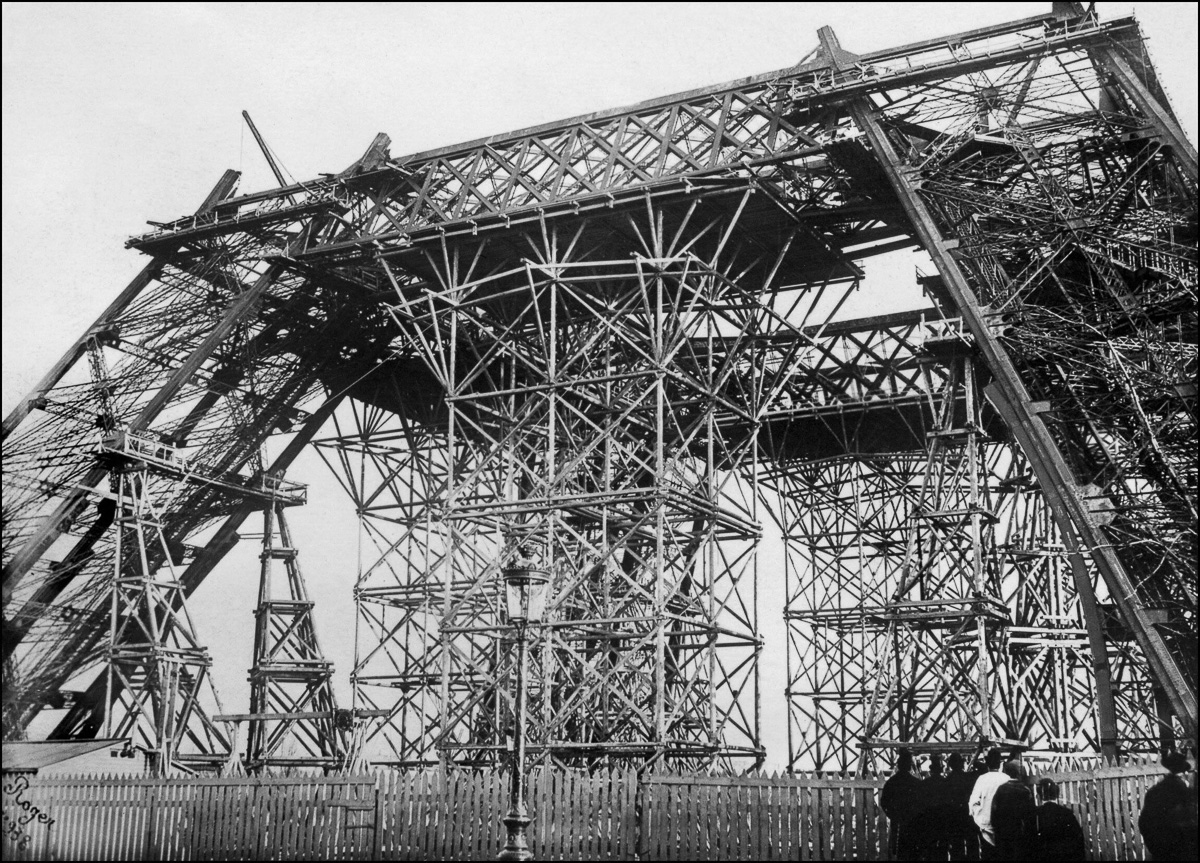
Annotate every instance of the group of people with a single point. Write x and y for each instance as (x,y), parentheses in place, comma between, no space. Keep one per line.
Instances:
(995,812)
(988,812)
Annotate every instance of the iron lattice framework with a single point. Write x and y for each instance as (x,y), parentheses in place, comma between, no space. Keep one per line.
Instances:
(295,714)
(615,342)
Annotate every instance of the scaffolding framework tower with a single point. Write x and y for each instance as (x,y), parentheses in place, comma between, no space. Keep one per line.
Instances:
(293,712)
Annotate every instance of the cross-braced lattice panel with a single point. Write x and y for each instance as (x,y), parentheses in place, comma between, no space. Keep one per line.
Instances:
(598,415)
(843,522)
(1075,218)
(392,464)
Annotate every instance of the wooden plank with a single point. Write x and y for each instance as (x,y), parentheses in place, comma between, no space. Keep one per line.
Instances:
(822,824)
(79,847)
(770,798)
(427,847)
(293,823)
(580,826)
(849,846)
(475,816)
(833,822)
(563,823)
(254,798)
(726,820)
(424,850)
(136,813)
(412,836)
(691,824)
(111,841)
(829,843)
(499,799)
(801,832)
(676,816)
(708,820)
(742,826)
(793,833)
(1124,787)
(739,833)
(452,790)
(262,839)
(615,808)
(662,831)
(231,804)
(1104,813)
(594,797)
(91,827)
(310,828)
(433,791)
(168,821)
(572,832)
(631,796)
(200,823)
(105,811)
(223,806)
(59,845)
(586,828)
(381,816)
(485,817)
(389,827)
(1116,796)
(384,814)
(560,821)
(775,805)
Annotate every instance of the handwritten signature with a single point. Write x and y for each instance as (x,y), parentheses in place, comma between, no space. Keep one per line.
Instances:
(18,812)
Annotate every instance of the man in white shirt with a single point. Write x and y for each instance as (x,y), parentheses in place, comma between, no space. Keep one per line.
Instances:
(981,801)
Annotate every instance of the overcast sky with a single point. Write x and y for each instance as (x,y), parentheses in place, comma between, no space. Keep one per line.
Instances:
(118,113)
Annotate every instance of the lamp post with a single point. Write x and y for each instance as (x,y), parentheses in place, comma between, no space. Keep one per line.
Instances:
(525,589)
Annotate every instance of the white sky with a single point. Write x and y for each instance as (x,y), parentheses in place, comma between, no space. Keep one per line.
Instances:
(118,113)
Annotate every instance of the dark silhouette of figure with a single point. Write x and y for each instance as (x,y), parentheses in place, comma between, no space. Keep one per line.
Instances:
(1014,816)
(901,800)
(1168,819)
(961,833)
(926,831)
(1059,836)
(981,802)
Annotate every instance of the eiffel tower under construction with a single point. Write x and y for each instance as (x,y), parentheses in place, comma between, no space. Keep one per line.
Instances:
(614,344)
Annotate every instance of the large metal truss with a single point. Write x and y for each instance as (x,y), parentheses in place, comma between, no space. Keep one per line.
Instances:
(608,340)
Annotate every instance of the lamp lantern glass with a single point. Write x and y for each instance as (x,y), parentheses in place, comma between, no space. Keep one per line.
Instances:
(525,588)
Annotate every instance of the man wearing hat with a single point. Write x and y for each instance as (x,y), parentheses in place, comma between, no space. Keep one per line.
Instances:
(1059,834)
(1168,820)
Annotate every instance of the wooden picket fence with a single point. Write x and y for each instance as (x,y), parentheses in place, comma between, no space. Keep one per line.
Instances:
(767,818)
(1108,801)
(455,815)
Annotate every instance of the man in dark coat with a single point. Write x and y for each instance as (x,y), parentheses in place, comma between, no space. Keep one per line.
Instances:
(901,800)
(1168,820)
(1014,817)
(961,831)
(927,836)
(1059,835)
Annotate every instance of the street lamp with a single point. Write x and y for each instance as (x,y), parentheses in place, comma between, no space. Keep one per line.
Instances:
(525,592)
